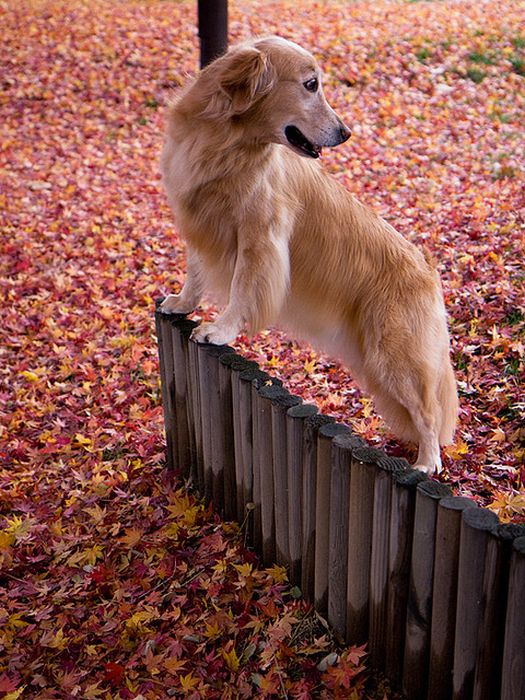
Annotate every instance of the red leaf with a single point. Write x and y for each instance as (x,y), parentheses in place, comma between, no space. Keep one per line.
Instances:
(114,673)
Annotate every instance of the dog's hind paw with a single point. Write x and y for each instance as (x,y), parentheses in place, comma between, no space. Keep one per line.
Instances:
(429,466)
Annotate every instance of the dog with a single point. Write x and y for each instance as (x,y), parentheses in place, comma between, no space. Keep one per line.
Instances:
(278,240)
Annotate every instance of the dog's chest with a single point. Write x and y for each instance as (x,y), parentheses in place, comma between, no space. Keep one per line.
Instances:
(205,218)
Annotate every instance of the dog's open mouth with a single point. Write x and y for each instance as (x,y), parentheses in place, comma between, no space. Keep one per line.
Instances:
(298,140)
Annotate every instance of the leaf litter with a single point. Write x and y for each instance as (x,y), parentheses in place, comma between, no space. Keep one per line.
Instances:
(116,583)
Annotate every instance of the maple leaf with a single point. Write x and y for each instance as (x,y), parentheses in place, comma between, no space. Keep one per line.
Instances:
(309,366)
(508,505)
(7,684)
(278,573)
(458,450)
(114,673)
(93,691)
(231,658)
(15,694)
(17,526)
(87,247)
(174,665)
(55,640)
(132,536)
(188,682)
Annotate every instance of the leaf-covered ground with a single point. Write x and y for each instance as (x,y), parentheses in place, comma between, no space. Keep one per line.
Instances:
(114,582)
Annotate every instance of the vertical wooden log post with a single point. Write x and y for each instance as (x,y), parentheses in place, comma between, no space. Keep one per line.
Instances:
(195,399)
(311,433)
(263,465)
(487,682)
(216,410)
(213,29)
(404,486)
(342,448)
(419,606)
(476,526)
(223,442)
(280,406)
(361,515)
(387,467)
(231,365)
(167,383)
(184,446)
(442,637)
(322,511)
(295,458)
(513,670)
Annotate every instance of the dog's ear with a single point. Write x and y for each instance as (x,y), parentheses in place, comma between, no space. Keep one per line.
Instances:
(245,78)
(235,82)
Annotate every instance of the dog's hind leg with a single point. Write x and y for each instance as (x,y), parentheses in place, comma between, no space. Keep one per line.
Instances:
(408,402)
(429,457)
(191,293)
(424,414)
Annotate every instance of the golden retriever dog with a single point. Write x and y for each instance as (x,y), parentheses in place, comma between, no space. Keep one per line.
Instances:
(277,240)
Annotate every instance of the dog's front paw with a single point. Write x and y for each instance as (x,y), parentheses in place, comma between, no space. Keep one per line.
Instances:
(175,304)
(215,333)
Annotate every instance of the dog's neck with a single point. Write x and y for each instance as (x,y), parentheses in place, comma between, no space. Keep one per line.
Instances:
(210,153)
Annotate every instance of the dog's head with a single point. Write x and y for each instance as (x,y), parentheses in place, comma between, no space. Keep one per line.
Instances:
(272,88)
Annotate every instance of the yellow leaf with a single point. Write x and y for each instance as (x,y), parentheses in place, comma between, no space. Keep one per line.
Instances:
(132,536)
(212,630)
(6,539)
(232,660)
(14,622)
(498,435)
(245,569)
(278,573)
(58,641)
(367,406)
(188,682)
(309,367)
(93,691)
(138,619)
(14,694)
(173,665)
(82,440)
(85,556)
(30,376)
(508,505)
(93,553)
(17,526)
(458,450)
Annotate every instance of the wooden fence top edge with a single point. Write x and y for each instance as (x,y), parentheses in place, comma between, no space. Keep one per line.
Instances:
(519,545)
(303,410)
(330,430)
(457,503)
(434,489)
(481,519)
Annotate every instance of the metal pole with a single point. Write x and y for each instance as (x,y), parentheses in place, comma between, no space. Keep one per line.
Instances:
(213,29)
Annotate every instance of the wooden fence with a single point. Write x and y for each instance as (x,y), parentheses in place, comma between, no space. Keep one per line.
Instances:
(434,584)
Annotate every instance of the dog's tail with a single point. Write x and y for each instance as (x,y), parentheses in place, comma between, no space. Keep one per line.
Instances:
(448,399)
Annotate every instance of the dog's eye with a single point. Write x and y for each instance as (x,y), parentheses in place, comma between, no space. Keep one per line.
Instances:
(311,85)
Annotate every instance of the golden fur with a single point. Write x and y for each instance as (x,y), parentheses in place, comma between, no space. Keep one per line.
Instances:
(277,240)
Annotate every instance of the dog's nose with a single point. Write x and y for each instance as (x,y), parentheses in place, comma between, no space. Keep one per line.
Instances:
(344,133)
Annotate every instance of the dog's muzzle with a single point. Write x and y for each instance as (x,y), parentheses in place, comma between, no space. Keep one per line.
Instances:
(300,142)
